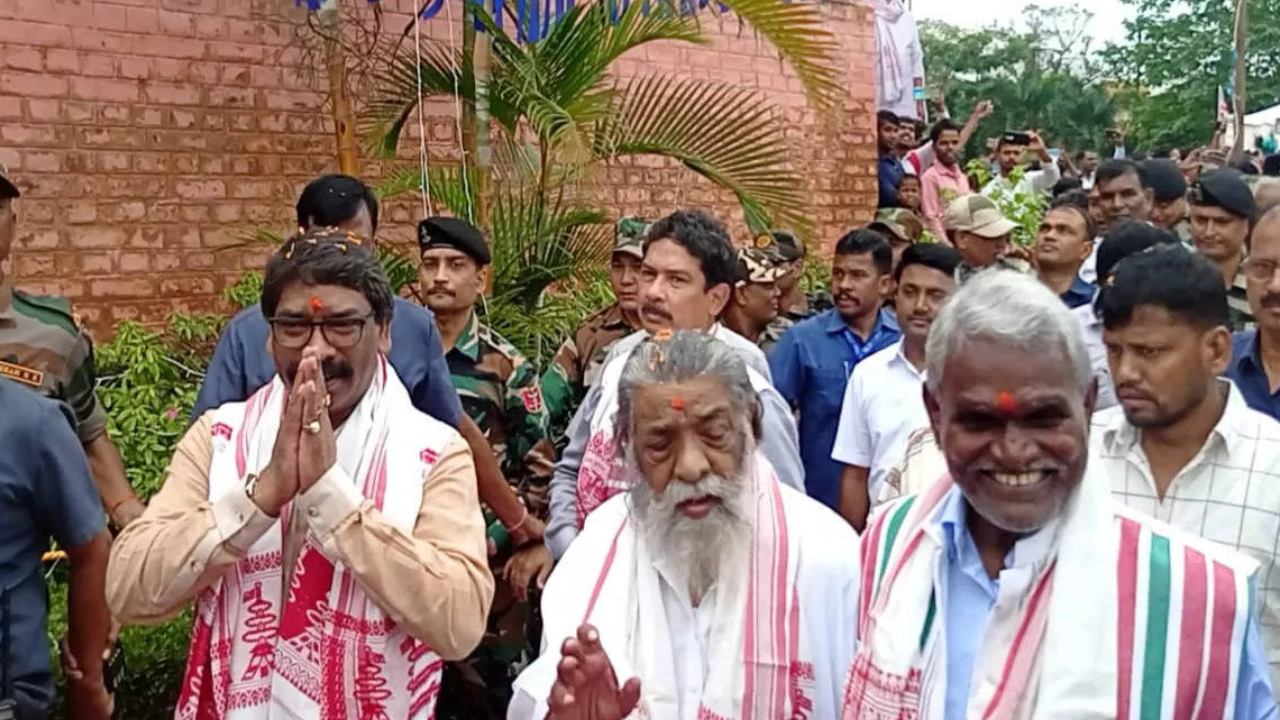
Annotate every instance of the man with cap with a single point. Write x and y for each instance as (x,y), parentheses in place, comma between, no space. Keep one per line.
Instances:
(577,363)
(900,227)
(1169,210)
(1009,153)
(499,391)
(43,348)
(981,233)
(753,304)
(1222,210)
(794,304)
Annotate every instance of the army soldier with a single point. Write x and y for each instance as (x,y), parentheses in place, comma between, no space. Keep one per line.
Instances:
(43,348)
(753,305)
(577,363)
(793,304)
(901,227)
(499,391)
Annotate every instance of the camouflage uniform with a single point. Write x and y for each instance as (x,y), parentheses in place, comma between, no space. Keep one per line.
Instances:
(964,270)
(577,363)
(499,390)
(773,332)
(43,347)
(1239,314)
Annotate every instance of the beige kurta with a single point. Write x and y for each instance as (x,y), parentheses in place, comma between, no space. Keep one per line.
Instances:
(436,583)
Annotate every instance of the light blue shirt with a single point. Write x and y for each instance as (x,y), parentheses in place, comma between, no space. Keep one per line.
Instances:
(968,595)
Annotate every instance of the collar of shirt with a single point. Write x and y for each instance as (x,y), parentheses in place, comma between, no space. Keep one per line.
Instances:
(468,342)
(951,530)
(6,300)
(1120,435)
(900,358)
(835,323)
(1247,352)
(613,319)
(1078,294)
(955,172)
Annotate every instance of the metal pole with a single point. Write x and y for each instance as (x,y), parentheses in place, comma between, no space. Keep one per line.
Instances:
(344,121)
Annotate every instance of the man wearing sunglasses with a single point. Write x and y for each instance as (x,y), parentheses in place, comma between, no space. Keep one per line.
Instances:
(328,530)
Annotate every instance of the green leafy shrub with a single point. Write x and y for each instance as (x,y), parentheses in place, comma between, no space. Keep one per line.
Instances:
(1025,209)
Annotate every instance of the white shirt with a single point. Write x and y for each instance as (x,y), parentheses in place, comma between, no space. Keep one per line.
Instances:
(1089,268)
(882,406)
(1032,182)
(902,38)
(1229,493)
(1091,328)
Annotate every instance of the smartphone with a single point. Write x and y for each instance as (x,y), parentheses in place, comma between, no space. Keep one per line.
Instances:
(1018,138)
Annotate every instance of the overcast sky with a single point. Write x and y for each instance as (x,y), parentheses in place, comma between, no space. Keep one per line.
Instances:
(1107,14)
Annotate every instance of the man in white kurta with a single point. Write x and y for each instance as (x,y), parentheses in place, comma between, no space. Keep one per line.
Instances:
(709,589)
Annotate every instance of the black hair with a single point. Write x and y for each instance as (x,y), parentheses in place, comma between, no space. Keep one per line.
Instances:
(1111,169)
(1127,238)
(942,258)
(324,256)
(1184,283)
(1271,165)
(1246,166)
(942,126)
(331,200)
(703,237)
(1066,185)
(907,176)
(1078,197)
(887,116)
(1163,152)
(1090,227)
(862,241)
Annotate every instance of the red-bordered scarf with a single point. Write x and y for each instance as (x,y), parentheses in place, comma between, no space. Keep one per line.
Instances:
(330,652)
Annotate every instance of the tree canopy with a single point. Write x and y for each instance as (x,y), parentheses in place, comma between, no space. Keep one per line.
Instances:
(1159,85)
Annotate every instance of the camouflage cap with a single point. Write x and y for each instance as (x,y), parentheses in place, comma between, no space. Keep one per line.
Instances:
(979,215)
(630,236)
(7,188)
(756,265)
(901,222)
(781,244)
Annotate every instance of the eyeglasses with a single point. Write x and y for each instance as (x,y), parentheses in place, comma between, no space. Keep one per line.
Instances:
(1259,270)
(341,333)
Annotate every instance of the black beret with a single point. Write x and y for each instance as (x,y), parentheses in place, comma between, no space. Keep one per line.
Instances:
(1165,179)
(447,232)
(1225,189)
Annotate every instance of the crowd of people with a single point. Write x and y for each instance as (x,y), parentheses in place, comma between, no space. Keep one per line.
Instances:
(973,478)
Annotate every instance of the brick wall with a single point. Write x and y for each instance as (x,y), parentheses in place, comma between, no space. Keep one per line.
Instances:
(149,136)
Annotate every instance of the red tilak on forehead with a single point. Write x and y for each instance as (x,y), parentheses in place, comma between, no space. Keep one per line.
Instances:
(677,403)
(317,304)
(1006,403)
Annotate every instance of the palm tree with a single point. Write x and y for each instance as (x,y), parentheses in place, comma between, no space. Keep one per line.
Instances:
(558,114)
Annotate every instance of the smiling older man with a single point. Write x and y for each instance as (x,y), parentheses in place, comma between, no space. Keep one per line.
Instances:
(1015,587)
(709,589)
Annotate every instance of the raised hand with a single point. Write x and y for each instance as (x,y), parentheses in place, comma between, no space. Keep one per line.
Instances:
(586,687)
(317,448)
(984,109)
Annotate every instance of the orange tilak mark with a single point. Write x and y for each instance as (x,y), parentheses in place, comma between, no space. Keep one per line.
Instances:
(317,304)
(677,403)
(1006,403)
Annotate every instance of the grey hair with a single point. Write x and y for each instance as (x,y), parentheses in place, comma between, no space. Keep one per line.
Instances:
(687,355)
(1013,310)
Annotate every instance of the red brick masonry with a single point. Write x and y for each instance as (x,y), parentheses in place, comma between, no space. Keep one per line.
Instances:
(150,135)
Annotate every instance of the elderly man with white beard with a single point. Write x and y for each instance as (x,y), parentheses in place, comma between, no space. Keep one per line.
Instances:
(707,590)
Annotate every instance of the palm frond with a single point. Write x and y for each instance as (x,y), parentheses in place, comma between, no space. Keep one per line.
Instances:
(797,31)
(722,132)
(406,82)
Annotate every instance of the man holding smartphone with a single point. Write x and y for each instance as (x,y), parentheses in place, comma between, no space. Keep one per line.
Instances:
(1009,153)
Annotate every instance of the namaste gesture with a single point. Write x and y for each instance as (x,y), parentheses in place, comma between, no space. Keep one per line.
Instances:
(305,448)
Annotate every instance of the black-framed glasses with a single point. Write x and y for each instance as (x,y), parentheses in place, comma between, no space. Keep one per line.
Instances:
(341,333)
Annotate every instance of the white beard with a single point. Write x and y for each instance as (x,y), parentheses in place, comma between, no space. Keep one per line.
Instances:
(710,550)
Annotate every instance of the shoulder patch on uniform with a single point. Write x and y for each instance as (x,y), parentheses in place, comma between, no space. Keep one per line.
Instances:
(47,309)
(23,374)
(532,399)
